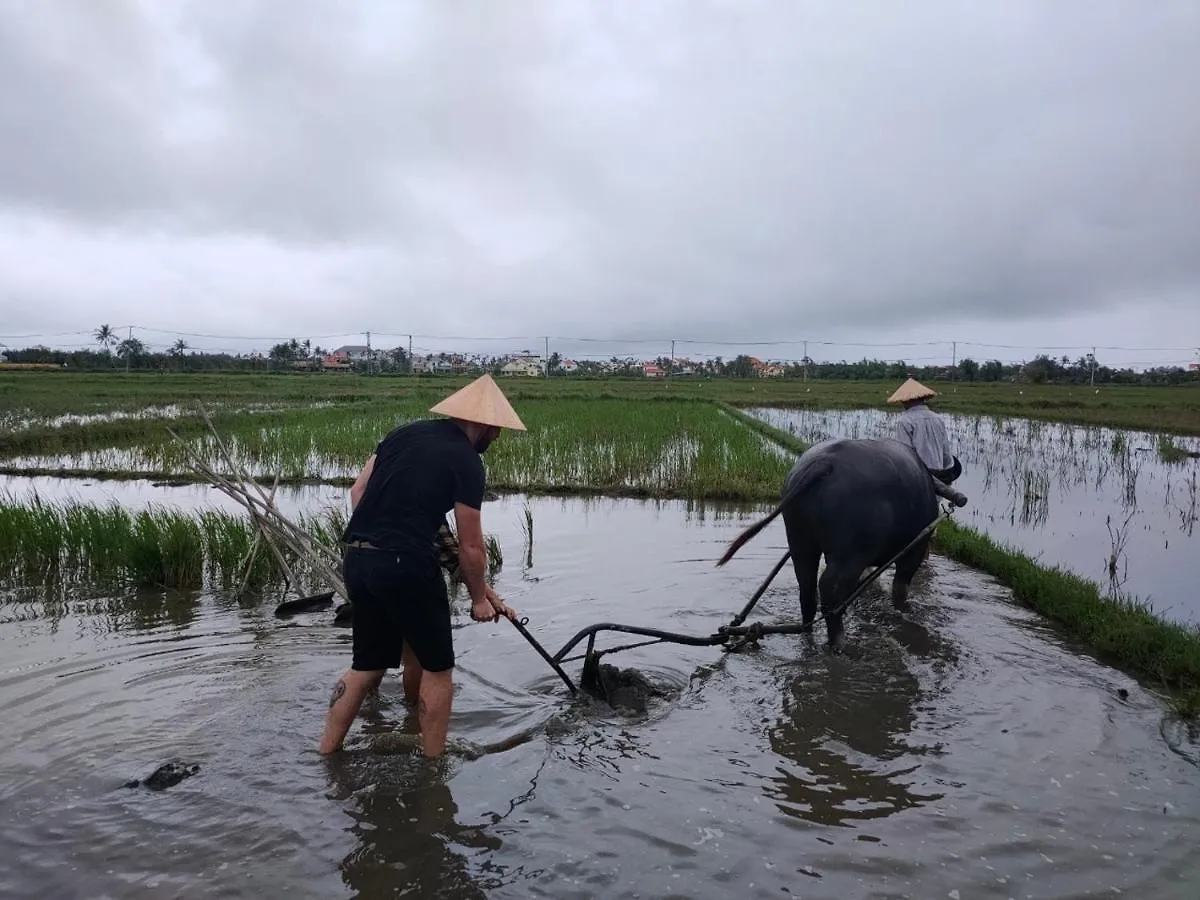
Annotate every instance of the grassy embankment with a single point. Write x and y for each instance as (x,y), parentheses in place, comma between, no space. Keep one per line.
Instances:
(1120,632)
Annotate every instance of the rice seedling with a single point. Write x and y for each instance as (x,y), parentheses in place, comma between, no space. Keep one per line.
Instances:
(527,529)
(1119,448)
(662,449)
(1129,495)
(157,547)
(681,449)
(1035,498)
(1170,452)
(1158,408)
(1112,565)
(1188,510)
(493,552)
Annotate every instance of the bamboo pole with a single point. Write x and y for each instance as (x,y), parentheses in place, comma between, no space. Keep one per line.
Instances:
(273,528)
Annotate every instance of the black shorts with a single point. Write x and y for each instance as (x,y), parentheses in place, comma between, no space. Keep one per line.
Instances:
(397,603)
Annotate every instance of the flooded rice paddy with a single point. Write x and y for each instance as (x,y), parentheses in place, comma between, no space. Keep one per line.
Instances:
(681,449)
(1101,502)
(136,494)
(956,751)
(17,420)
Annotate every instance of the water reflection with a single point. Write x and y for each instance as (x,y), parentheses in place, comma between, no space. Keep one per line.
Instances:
(110,609)
(846,728)
(19,420)
(148,610)
(409,841)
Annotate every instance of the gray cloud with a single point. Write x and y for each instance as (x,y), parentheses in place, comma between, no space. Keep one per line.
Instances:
(719,171)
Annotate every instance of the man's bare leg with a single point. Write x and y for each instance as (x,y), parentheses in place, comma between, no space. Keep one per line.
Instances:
(437,690)
(348,694)
(412,676)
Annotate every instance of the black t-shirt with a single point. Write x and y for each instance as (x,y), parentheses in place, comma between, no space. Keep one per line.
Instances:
(421,470)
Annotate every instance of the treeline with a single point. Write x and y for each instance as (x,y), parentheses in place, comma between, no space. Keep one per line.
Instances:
(132,355)
(1041,369)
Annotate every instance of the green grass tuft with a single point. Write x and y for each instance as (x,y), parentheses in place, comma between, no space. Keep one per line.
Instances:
(156,547)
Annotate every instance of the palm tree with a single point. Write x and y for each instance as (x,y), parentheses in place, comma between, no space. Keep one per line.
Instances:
(177,351)
(131,350)
(105,337)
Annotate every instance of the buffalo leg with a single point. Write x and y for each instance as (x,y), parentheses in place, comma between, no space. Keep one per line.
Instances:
(837,583)
(906,569)
(806,556)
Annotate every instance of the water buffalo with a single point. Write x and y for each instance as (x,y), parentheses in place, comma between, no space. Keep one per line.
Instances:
(858,502)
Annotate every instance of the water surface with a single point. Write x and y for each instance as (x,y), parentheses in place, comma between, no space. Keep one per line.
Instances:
(961,748)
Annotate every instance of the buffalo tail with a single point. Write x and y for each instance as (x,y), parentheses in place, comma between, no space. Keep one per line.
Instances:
(806,479)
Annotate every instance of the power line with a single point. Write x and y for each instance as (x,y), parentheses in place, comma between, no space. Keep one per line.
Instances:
(24,337)
(613,340)
(1080,347)
(233,337)
(798,343)
(622,346)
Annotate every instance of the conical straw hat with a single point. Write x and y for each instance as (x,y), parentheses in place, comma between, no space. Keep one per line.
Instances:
(911,390)
(481,401)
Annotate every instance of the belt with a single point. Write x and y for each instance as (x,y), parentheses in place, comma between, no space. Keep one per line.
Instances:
(363,545)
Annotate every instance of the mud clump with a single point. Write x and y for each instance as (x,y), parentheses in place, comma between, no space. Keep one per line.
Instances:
(402,742)
(166,775)
(627,690)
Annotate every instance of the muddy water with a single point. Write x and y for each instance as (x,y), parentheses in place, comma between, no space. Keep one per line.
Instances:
(1078,497)
(959,749)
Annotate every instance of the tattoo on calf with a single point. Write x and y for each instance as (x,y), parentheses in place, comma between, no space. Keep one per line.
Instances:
(338,690)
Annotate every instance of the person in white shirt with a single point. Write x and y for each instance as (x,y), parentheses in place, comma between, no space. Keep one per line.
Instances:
(922,429)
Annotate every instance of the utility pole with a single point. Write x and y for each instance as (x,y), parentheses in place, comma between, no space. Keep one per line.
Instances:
(546,359)
(1093,360)
(370,356)
(671,362)
(411,370)
(806,360)
(129,350)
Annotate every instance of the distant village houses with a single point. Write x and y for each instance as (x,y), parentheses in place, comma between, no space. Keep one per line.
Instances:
(353,353)
(525,365)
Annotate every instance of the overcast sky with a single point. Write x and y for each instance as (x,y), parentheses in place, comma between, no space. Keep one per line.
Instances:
(1015,173)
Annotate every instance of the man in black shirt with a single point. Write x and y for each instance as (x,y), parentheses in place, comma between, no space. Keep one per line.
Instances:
(418,473)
